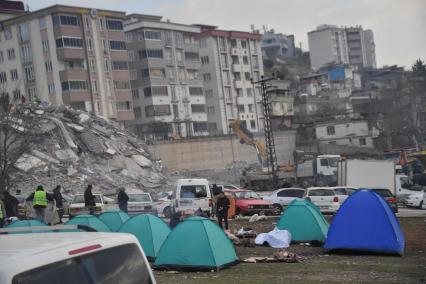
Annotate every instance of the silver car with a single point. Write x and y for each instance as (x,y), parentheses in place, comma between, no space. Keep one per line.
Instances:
(140,203)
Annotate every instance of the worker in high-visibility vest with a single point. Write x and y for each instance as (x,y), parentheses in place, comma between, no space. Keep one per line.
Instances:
(2,213)
(40,199)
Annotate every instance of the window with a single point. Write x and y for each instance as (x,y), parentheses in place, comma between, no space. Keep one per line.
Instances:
(114,24)
(157,73)
(179,39)
(29,73)
(331,130)
(66,20)
(123,105)
(8,33)
(11,54)
(151,53)
(209,93)
(1,57)
(195,91)
(95,267)
(198,108)
(244,44)
(92,65)
(135,94)
(159,91)
(251,108)
(204,60)
(168,38)
(45,44)
(247,76)
(239,92)
(16,95)
(224,60)
(51,88)
(192,74)
(74,85)
(340,191)
(48,65)
(69,42)
(145,73)
(31,93)
(14,74)
(23,32)
(192,56)
(168,53)
(94,86)
(255,62)
(133,74)
(117,45)
(235,59)
(291,193)
(233,43)
(101,24)
(138,112)
(324,162)
(152,35)
(240,108)
(170,72)
(131,55)
(253,124)
(104,45)
(362,141)
(210,110)
(26,53)
(237,76)
(157,110)
(87,23)
(256,76)
(147,92)
(89,44)
(179,56)
(203,43)
(207,77)
(200,126)
(245,60)
(249,92)
(188,39)
(106,65)
(119,65)
(3,77)
(122,85)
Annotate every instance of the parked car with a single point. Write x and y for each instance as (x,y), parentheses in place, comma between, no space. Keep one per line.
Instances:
(164,204)
(248,202)
(77,206)
(282,197)
(343,192)
(389,197)
(224,187)
(140,203)
(69,258)
(414,200)
(324,198)
(192,194)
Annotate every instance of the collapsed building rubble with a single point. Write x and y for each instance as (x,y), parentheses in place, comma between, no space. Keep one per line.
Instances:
(75,148)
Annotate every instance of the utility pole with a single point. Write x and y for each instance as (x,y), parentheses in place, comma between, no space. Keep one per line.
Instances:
(271,155)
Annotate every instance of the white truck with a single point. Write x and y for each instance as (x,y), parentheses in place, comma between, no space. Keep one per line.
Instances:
(367,174)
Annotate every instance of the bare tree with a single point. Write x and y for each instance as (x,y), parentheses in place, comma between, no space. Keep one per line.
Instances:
(16,133)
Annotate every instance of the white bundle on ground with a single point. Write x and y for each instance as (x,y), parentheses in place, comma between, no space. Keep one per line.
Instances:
(275,238)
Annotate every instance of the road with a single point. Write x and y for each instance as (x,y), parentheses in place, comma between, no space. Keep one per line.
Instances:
(410,212)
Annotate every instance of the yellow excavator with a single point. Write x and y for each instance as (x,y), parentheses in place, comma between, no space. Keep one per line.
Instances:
(246,137)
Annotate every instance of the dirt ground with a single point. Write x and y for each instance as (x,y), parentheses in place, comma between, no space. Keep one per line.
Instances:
(319,267)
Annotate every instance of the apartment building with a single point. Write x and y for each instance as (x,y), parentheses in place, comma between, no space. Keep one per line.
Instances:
(278,44)
(229,60)
(68,55)
(167,86)
(330,44)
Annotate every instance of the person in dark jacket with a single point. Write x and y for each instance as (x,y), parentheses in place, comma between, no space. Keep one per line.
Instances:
(40,199)
(222,206)
(59,202)
(89,200)
(215,195)
(123,199)
(10,204)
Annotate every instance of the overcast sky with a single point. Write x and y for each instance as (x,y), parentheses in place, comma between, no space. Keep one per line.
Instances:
(399,26)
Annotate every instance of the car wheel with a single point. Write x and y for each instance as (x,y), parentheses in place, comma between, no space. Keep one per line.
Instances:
(421,205)
(167,212)
(277,209)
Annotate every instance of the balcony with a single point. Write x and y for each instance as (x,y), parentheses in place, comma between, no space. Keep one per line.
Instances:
(75,96)
(123,95)
(70,53)
(73,74)
(123,115)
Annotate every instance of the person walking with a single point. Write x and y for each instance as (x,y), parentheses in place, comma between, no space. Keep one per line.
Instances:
(222,206)
(123,199)
(40,199)
(59,200)
(2,213)
(215,193)
(11,204)
(89,200)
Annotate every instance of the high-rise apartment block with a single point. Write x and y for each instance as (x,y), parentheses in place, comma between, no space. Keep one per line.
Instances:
(167,86)
(229,60)
(68,55)
(341,45)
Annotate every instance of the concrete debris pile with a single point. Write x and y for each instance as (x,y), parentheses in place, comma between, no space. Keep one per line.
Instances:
(75,148)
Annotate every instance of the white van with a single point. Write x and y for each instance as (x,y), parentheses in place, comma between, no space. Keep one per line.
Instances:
(69,258)
(192,194)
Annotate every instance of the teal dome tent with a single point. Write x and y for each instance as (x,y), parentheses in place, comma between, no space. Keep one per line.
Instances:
(28,223)
(150,231)
(89,220)
(114,219)
(196,244)
(304,221)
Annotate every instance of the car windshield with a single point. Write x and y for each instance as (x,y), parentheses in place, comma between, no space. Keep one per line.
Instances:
(80,199)
(333,162)
(121,264)
(193,191)
(143,197)
(321,192)
(383,192)
(406,182)
(246,195)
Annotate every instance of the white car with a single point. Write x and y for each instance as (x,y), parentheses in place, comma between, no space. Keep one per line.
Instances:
(343,192)
(164,204)
(77,206)
(191,195)
(282,197)
(324,198)
(140,203)
(415,200)
(69,258)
